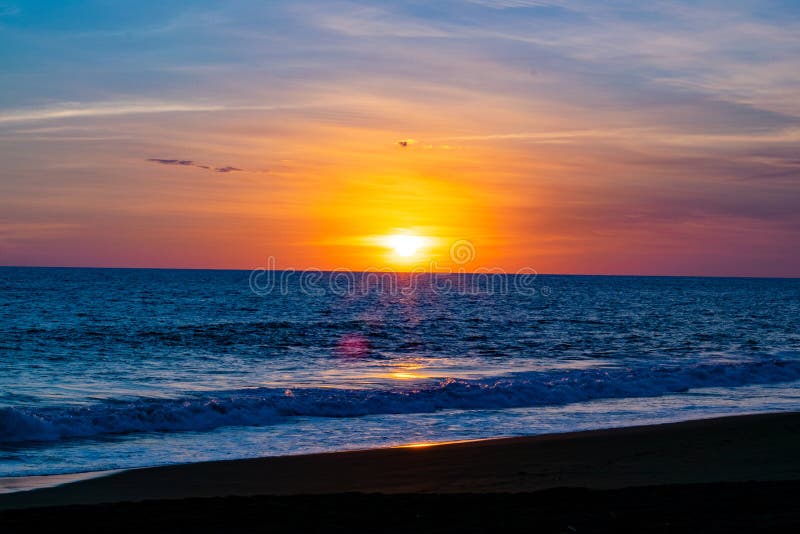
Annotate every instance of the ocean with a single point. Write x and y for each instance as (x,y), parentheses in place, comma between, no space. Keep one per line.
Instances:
(119,368)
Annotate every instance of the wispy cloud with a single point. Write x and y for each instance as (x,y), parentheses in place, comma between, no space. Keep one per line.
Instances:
(190,163)
(172,161)
(101,109)
(227,169)
(364,21)
(511,4)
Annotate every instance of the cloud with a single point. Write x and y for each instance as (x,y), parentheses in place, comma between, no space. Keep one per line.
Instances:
(511,4)
(69,110)
(376,22)
(190,163)
(172,161)
(66,111)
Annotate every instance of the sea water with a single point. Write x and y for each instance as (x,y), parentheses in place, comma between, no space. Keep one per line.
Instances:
(116,368)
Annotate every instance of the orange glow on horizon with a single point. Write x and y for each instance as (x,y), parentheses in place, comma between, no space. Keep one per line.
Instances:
(399,208)
(338,193)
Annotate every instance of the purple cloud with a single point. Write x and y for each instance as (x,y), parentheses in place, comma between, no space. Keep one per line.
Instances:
(190,163)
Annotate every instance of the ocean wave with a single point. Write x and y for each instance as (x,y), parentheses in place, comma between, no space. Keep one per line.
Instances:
(265,406)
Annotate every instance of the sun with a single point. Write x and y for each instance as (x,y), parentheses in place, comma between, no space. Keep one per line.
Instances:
(405,246)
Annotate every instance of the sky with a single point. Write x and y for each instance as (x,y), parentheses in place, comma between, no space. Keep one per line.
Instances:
(657,138)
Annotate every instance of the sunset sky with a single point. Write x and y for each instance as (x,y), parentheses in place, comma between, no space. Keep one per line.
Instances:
(564,136)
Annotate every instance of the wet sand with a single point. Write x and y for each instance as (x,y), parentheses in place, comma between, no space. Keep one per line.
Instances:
(748,467)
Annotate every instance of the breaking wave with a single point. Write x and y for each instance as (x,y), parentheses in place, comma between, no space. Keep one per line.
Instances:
(265,406)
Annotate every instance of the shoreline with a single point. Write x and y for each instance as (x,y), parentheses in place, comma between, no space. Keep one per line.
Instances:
(760,447)
(33,482)
(20,483)
(11,483)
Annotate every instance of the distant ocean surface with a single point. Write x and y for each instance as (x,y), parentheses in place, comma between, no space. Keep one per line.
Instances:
(105,368)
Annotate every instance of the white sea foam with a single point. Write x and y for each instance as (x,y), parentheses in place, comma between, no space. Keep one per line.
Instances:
(266,406)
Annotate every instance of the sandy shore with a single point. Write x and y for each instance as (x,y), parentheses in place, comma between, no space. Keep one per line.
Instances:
(754,452)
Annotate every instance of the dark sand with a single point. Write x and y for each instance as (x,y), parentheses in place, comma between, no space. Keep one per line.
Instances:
(734,474)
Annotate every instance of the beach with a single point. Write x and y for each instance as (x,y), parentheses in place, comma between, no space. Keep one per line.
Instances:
(369,266)
(690,471)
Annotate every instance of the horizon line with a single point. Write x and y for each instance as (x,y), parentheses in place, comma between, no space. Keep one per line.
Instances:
(609,275)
